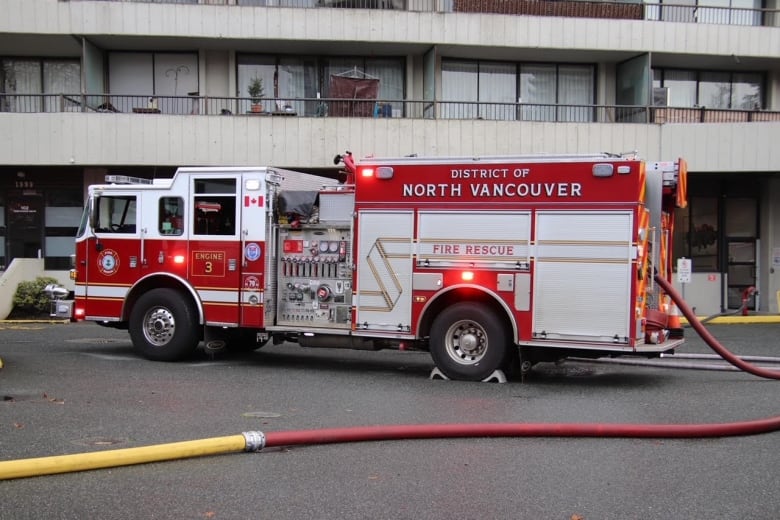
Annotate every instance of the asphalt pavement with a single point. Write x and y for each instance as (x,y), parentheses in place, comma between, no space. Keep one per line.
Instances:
(76,388)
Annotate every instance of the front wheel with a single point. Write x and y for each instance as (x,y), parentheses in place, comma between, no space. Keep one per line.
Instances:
(164,325)
(468,342)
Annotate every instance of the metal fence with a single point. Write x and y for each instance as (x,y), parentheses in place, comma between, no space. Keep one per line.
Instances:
(707,14)
(383,109)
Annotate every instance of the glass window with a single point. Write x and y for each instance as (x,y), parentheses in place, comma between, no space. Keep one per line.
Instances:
(391,81)
(62,77)
(170,216)
(740,218)
(21,77)
(497,84)
(459,83)
(703,233)
(293,83)
(251,67)
(715,90)
(296,79)
(746,91)
(537,92)
(388,72)
(215,186)
(116,214)
(682,87)
(215,207)
(575,88)
(711,89)
(142,75)
(557,92)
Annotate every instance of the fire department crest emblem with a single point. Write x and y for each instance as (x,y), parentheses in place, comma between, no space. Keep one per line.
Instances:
(108,262)
(252,251)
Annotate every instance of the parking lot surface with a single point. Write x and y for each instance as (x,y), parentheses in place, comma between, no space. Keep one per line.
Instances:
(75,388)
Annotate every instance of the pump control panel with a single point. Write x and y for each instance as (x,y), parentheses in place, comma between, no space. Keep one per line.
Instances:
(315,277)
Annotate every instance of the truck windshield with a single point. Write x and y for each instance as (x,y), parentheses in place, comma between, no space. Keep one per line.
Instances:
(84,221)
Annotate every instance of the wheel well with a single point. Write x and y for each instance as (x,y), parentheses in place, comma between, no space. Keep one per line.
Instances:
(157,282)
(463,294)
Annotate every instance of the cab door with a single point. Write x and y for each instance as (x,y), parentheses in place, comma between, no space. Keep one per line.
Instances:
(215,245)
(112,258)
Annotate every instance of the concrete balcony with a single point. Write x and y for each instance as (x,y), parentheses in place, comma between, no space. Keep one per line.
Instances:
(125,139)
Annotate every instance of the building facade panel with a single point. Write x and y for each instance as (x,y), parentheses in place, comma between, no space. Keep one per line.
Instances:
(116,139)
(247,25)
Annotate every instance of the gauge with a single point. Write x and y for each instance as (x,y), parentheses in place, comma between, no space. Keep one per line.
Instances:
(333,247)
(324,246)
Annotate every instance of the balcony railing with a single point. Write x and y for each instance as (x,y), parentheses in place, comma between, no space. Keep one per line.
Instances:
(564,8)
(409,109)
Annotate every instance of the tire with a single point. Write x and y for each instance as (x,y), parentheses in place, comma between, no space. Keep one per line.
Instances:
(164,325)
(468,342)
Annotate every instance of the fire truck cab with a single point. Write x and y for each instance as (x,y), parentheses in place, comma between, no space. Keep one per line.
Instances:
(483,261)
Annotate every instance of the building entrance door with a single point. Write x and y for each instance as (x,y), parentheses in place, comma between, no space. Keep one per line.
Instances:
(741,225)
(24,226)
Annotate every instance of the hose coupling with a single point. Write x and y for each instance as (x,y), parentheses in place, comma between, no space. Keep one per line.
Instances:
(255,441)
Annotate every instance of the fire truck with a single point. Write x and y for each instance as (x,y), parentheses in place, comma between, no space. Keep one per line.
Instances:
(482,261)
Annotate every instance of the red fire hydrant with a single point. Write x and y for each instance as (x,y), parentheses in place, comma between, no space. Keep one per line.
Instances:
(746,294)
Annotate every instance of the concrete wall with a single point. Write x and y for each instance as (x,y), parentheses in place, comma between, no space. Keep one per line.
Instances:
(137,139)
(703,294)
(769,253)
(20,270)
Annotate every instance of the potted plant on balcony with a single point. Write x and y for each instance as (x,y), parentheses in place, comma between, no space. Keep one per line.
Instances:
(256,93)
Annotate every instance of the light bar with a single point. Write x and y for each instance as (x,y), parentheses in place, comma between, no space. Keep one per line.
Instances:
(124,179)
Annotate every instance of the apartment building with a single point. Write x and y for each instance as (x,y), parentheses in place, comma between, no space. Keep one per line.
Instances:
(139,87)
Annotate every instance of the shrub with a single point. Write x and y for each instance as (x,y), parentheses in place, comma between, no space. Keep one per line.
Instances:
(30,296)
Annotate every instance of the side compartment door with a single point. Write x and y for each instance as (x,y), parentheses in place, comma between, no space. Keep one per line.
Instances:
(384,260)
(254,246)
(583,276)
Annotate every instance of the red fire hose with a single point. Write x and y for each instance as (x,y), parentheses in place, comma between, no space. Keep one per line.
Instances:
(450,431)
(255,441)
(709,338)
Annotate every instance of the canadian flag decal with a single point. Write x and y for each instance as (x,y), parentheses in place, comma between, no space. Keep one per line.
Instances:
(253,201)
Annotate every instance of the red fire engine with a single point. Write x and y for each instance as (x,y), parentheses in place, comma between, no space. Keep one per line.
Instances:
(483,261)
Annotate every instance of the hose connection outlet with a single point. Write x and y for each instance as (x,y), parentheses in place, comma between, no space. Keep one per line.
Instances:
(255,441)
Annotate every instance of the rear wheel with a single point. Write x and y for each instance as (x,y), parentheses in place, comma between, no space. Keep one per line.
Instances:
(469,342)
(164,325)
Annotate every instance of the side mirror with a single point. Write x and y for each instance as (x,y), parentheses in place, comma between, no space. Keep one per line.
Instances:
(92,214)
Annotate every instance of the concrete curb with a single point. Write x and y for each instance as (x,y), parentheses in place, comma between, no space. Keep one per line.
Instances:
(725,320)
(63,321)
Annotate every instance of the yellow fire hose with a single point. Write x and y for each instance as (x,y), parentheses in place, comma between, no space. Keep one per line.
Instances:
(247,441)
